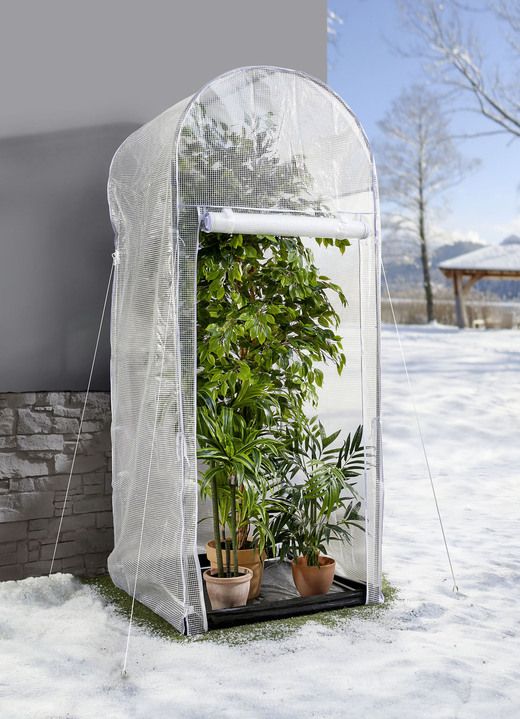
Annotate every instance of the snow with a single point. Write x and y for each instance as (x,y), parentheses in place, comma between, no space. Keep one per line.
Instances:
(497,258)
(431,653)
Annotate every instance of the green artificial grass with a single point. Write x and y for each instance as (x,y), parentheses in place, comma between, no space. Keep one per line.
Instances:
(245,634)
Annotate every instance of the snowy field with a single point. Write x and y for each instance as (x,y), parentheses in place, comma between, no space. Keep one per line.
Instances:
(432,653)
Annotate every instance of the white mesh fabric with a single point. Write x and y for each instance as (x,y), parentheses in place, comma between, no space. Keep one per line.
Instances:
(303,152)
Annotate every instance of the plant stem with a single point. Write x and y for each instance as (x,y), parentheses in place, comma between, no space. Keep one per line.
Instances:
(216,527)
(233,523)
(228,556)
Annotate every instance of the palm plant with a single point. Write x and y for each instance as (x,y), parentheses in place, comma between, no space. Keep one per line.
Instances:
(309,519)
(238,452)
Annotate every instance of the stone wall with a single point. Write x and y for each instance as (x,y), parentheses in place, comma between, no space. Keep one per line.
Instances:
(38,433)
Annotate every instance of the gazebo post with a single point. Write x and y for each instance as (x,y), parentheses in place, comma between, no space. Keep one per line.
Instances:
(460,307)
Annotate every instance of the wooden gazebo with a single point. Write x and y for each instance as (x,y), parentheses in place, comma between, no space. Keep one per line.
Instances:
(499,261)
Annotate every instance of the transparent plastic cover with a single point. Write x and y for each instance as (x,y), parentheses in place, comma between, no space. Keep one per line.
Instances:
(302,154)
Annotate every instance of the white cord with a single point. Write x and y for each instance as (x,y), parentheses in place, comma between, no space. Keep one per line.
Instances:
(82,416)
(148,482)
(455,587)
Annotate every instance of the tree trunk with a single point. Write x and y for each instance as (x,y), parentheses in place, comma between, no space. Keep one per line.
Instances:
(424,252)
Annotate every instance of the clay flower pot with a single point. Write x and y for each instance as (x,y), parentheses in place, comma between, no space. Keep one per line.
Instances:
(311,581)
(249,558)
(225,592)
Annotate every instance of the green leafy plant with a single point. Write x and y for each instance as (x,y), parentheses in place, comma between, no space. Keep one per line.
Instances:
(264,321)
(238,453)
(316,490)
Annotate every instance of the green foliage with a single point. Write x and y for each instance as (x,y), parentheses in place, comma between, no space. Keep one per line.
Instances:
(308,521)
(264,311)
(237,446)
(231,165)
(264,320)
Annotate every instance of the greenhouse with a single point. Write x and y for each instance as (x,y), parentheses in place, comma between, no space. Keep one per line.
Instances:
(245,351)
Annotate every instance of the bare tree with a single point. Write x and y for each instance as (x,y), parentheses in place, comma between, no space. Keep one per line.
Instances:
(454,53)
(418,163)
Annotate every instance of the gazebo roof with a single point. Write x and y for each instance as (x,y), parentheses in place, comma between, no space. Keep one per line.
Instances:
(498,260)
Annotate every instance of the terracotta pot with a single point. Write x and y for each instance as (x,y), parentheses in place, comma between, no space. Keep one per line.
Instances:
(225,592)
(249,558)
(310,581)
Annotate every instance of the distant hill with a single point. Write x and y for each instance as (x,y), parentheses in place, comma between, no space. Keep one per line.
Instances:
(511,240)
(404,270)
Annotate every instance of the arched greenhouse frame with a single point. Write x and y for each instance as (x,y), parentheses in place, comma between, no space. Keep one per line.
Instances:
(257,151)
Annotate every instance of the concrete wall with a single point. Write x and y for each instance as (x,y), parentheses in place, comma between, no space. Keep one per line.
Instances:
(78,79)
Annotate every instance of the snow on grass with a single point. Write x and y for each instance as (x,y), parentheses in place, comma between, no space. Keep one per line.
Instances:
(431,653)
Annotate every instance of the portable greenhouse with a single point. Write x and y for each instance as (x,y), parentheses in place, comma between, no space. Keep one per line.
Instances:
(260,151)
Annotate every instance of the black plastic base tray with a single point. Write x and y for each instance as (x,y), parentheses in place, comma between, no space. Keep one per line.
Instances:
(279,598)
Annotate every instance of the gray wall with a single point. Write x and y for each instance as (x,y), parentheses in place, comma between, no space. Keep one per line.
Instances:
(77,79)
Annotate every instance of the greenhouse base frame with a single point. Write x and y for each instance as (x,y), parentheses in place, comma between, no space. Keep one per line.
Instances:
(349,594)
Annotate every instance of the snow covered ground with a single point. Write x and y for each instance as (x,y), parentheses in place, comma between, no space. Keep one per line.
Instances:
(432,653)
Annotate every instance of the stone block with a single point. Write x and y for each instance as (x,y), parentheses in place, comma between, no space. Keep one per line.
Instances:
(84,444)
(42,455)
(98,406)
(101,540)
(82,465)
(71,412)
(8,558)
(96,443)
(104,520)
(78,523)
(22,553)
(14,572)
(7,421)
(7,442)
(94,479)
(35,442)
(17,507)
(20,399)
(73,565)
(92,489)
(22,485)
(13,531)
(64,549)
(7,547)
(94,426)
(32,423)
(38,524)
(94,503)
(55,398)
(12,466)
(58,483)
(65,425)
(47,534)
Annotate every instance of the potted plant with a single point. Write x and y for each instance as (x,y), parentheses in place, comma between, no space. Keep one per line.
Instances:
(319,500)
(264,320)
(236,452)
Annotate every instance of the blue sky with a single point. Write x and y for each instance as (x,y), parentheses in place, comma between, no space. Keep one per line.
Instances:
(369,75)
